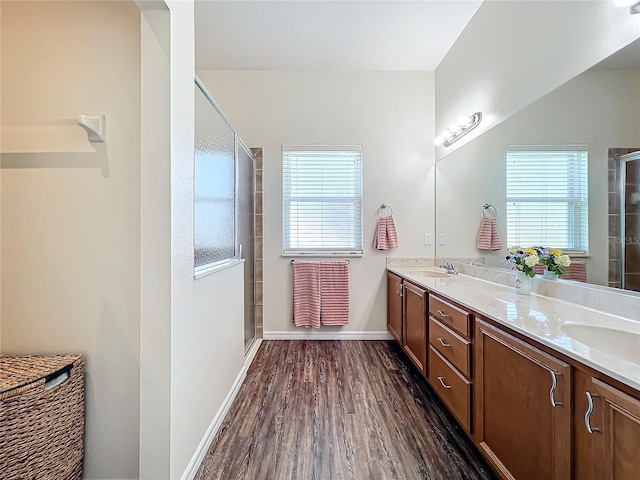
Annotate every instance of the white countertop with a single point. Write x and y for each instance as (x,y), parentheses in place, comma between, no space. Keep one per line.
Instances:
(542,319)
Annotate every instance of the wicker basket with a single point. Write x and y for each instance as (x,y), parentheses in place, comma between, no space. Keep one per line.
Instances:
(41,419)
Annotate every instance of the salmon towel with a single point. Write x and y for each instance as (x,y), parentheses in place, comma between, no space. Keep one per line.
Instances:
(577,271)
(488,238)
(386,236)
(306,294)
(334,293)
(320,293)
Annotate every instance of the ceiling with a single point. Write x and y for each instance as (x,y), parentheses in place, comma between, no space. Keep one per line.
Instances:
(328,35)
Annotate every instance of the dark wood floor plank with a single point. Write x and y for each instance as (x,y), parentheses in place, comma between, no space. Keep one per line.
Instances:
(338,410)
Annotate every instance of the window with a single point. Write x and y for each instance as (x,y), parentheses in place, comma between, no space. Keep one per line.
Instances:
(215,186)
(547,197)
(322,199)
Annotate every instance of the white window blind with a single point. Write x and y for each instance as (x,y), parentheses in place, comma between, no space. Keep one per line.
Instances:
(547,197)
(322,199)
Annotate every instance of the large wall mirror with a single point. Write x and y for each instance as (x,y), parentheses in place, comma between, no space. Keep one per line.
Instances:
(597,111)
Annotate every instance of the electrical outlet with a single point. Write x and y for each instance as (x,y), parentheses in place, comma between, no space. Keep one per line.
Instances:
(442,239)
(427,239)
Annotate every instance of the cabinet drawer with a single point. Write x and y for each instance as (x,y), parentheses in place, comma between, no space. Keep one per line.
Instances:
(451,345)
(450,315)
(453,388)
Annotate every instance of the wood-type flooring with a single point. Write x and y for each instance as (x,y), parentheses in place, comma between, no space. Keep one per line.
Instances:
(333,410)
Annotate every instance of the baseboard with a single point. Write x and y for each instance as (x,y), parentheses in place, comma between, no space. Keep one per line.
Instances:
(205,443)
(318,334)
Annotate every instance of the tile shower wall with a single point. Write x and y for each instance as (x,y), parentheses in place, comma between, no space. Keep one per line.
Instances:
(258,243)
(615,239)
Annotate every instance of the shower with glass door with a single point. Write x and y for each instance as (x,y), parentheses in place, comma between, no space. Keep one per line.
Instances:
(224,207)
(630,220)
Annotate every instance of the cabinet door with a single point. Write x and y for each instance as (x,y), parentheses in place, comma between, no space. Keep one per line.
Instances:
(394,306)
(522,402)
(415,325)
(614,420)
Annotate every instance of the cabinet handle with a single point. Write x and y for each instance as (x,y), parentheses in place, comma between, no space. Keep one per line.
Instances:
(587,415)
(442,342)
(552,392)
(443,384)
(402,289)
(442,313)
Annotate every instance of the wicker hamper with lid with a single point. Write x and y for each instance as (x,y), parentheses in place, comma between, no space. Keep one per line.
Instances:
(41,417)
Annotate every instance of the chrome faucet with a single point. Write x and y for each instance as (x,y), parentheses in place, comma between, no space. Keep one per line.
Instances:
(449,268)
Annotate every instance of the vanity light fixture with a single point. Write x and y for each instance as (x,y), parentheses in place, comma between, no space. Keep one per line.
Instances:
(634,5)
(457,130)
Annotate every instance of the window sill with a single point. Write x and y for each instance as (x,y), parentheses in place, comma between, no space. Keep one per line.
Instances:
(208,270)
(323,254)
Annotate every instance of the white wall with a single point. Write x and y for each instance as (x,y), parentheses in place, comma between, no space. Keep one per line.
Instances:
(600,108)
(391,114)
(206,314)
(513,52)
(155,243)
(71,221)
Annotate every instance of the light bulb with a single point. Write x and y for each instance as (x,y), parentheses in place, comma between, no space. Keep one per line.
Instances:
(438,140)
(454,127)
(624,3)
(446,135)
(464,120)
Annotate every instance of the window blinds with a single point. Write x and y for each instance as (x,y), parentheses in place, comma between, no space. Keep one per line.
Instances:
(547,197)
(322,199)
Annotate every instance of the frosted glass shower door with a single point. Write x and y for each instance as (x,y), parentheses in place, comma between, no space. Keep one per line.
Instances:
(246,238)
(215,180)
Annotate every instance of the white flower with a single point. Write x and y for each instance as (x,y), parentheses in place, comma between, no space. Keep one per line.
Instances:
(531,260)
(563,260)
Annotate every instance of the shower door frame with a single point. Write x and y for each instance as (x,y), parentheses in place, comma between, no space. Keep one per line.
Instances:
(240,144)
(623,159)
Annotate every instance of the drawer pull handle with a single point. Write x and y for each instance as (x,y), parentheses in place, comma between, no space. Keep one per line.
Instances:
(442,313)
(443,384)
(443,343)
(552,392)
(587,416)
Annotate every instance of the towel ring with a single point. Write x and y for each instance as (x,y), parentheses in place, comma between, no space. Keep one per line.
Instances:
(382,208)
(490,208)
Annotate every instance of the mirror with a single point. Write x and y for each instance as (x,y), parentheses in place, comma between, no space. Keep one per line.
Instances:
(600,109)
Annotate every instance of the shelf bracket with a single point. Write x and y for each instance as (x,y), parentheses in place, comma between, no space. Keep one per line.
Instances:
(95,126)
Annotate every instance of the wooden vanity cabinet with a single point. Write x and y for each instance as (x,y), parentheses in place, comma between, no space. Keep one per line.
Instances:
(533,413)
(454,317)
(449,359)
(394,306)
(606,431)
(414,332)
(522,407)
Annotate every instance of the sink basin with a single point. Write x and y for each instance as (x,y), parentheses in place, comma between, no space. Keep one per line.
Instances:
(616,342)
(432,273)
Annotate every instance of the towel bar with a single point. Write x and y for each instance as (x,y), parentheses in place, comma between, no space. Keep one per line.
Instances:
(346,260)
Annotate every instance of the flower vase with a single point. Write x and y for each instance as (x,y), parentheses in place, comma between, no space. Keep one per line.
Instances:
(523,283)
(549,275)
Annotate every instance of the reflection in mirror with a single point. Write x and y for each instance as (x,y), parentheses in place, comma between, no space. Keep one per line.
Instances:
(599,111)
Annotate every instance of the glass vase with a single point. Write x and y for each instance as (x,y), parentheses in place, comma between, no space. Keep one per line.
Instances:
(549,275)
(522,283)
